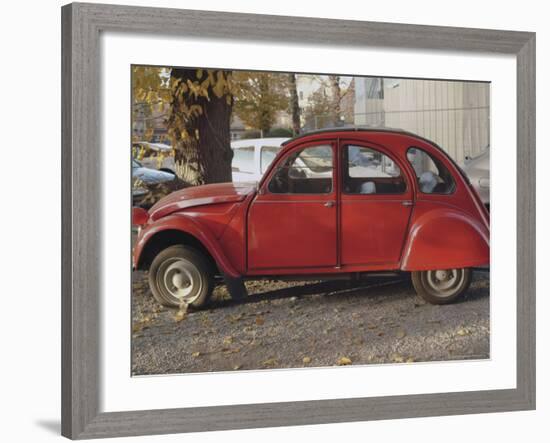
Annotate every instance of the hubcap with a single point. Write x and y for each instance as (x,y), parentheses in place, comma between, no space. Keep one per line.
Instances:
(444,282)
(179,280)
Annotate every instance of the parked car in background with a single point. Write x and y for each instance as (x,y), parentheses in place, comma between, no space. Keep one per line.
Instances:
(252,157)
(334,204)
(144,177)
(155,155)
(477,169)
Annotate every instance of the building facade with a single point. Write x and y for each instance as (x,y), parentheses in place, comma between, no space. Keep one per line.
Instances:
(453,114)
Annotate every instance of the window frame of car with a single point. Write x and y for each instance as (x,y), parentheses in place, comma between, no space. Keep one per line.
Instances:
(261,152)
(275,166)
(344,168)
(437,161)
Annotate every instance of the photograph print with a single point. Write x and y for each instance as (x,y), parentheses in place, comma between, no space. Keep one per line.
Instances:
(307,220)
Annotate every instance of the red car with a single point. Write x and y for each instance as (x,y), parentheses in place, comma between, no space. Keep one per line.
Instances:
(332,204)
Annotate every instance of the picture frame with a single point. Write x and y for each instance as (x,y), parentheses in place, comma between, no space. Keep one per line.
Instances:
(82,25)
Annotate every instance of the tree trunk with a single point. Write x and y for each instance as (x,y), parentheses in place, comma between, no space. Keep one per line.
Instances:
(265,112)
(202,142)
(336,95)
(294,104)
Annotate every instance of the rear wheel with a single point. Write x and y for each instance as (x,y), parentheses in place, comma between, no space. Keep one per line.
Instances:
(181,275)
(441,286)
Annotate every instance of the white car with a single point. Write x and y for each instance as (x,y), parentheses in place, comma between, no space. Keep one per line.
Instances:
(478,171)
(155,156)
(252,157)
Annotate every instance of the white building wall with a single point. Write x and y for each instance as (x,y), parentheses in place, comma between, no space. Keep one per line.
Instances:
(453,114)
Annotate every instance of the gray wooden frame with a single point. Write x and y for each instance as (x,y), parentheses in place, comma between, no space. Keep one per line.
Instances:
(81,163)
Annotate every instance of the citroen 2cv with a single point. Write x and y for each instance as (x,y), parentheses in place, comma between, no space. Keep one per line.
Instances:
(333,204)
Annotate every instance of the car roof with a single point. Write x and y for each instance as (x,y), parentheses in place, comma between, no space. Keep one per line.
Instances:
(267,141)
(379,129)
(351,129)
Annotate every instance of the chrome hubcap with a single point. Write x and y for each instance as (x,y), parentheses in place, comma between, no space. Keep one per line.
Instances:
(180,279)
(444,282)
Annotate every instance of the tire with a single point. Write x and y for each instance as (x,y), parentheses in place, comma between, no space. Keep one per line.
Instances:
(187,271)
(440,287)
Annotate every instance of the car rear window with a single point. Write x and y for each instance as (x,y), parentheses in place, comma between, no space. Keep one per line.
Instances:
(431,174)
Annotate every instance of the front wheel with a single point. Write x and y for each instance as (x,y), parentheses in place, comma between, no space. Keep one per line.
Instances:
(441,286)
(181,275)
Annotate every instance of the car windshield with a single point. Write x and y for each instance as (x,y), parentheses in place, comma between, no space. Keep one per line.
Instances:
(268,154)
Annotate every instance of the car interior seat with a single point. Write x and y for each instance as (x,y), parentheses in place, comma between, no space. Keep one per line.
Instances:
(428,182)
(367,188)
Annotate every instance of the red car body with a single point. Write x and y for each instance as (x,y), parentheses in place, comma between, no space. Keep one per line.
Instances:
(248,231)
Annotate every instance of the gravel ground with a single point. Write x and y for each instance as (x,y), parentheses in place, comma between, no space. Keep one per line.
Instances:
(301,324)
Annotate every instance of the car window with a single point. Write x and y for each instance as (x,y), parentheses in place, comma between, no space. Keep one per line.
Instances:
(267,155)
(431,174)
(369,171)
(243,159)
(306,171)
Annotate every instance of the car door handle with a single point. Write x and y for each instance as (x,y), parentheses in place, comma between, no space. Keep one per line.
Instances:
(407,203)
(329,204)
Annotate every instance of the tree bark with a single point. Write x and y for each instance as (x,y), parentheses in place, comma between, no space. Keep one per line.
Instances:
(336,94)
(265,112)
(205,154)
(294,104)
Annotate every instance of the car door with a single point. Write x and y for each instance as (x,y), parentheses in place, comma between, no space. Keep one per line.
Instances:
(376,204)
(292,221)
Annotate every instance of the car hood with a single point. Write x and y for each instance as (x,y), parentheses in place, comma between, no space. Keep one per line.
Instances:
(200,196)
(152,176)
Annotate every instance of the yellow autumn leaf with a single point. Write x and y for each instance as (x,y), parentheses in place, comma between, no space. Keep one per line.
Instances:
(344,361)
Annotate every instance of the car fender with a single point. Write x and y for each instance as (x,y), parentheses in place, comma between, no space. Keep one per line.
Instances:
(445,238)
(188,225)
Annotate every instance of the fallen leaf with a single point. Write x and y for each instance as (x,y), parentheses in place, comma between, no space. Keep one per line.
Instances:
(372,326)
(270,362)
(462,332)
(231,351)
(397,358)
(195,354)
(306,360)
(260,320)
(237,367)
(344,361)
(179,316)
(236,318)
(227,340)
(410,360)
(400,334)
